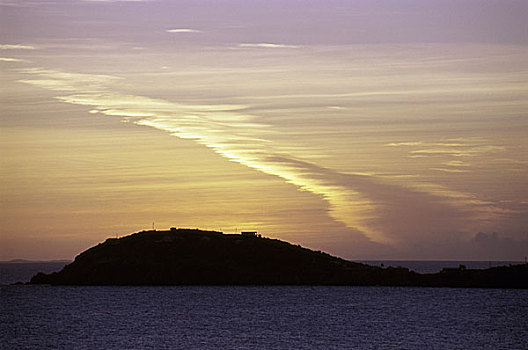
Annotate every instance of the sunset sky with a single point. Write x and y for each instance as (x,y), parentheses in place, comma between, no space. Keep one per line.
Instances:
(388,129)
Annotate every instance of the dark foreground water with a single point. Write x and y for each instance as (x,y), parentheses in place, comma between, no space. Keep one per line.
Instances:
(34,317)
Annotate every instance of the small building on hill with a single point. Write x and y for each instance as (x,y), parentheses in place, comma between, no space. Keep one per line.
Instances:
(249,233)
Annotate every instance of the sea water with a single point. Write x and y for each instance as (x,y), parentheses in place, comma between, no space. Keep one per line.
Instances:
(285,317)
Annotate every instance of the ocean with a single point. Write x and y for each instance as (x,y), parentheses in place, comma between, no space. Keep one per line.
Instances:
(36,317)
(259,317)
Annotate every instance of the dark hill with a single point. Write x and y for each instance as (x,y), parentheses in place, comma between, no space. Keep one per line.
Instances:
(195,257)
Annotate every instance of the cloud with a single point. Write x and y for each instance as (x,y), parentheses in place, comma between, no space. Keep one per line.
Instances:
(62,81)
(398,144)
(26,3)
(183,30)
(498,247)
(380,210)
(10,59)
(385,212)
(12,4)
(447,170)
(269,46)
(457,150)
(16,47)
(453,149)
(482,246)
(456,163)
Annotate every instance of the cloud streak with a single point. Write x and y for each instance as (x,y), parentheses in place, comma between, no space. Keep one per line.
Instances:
(183,30)
(63,81)
(268,46)
(10,59)
(382,211)
(16,47)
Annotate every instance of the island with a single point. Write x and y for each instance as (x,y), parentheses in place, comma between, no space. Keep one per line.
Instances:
(197,257)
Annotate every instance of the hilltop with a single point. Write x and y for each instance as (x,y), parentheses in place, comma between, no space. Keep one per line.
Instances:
(196,257)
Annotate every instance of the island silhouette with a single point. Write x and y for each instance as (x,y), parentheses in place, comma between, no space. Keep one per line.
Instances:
(196,257)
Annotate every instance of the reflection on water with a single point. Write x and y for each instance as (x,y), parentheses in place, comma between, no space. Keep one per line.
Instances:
(262,317)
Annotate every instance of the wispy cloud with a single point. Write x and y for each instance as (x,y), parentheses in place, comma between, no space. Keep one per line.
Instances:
(450,149)
(448,170)
(183,30)
(15,3)
(10,59)
(62,81)
(269,46)
(398,144)
(16,47)
(456,163)
(382,211)
(457,151)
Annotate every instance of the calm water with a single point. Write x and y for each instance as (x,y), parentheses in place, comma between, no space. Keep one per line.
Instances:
(262,318)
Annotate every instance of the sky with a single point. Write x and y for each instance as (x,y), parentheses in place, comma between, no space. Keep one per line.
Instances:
(388,129)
